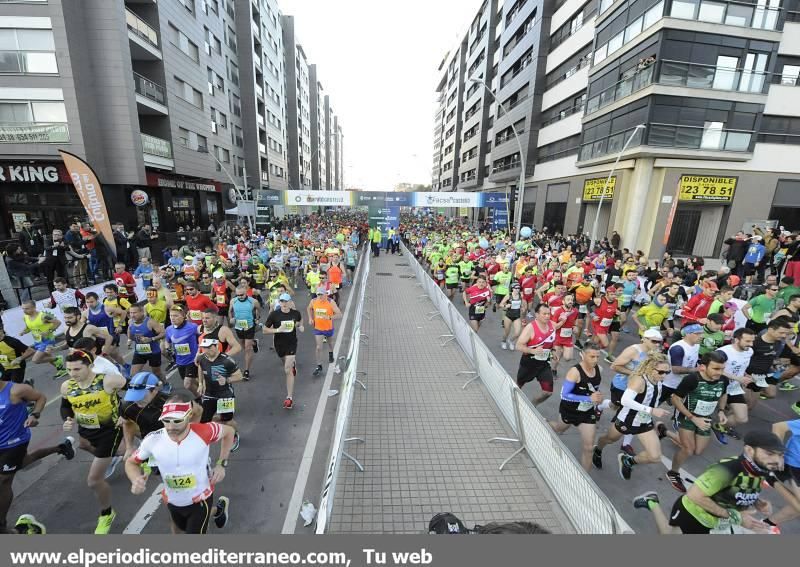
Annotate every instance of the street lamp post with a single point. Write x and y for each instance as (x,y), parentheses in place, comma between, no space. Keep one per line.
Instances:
(239,196)
(521,197)
(608,180)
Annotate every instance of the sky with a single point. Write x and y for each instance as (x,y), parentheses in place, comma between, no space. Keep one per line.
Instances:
(378,61)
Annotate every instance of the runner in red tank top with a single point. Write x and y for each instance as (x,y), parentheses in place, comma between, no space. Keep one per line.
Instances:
(564,317)
(603,315)
(536,343)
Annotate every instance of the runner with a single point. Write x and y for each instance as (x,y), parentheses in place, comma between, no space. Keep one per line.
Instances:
(244,314)
(535,344)
(564,318)
(15,435)
(64,296)
(321,313)
(514,305)
(181,337)
(283,323)
(91,400)
(196,303)
(144,337)
(789,432)
(14,355)
(77,329)
(221,291)
(502,279)
(727,494)
(683,356)
(603,316)
(766,349)
(628,289)
(584,294)
(475,298)
(97,316)
(758,309)
(580,396)
(451,278)
(42,326)
(638,406)
(738,355)
(181,452)
(713,335)
(217,373)
(699,396)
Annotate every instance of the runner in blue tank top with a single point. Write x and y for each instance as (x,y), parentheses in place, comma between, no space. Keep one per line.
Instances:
(144,335)
(97,316)
(181,336)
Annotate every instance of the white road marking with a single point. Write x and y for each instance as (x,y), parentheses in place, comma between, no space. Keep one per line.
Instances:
(298,492)
(147,511)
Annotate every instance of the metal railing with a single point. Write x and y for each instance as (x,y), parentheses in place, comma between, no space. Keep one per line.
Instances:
(699,137)
(505,167)
(587,508)
(639,80)
(700,76)
(522,65)
(584,61)
(156,146)
(346,388)
(141,28)
(608,145)
(149,89)
(564,114)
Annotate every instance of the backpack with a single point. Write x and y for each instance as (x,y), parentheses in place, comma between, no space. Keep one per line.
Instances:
(446,523)
(744,292)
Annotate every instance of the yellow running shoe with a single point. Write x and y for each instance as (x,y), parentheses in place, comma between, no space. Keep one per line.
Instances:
(104,523)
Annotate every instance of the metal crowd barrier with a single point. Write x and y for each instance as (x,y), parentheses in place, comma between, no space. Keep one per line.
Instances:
(349,380)
(588,509)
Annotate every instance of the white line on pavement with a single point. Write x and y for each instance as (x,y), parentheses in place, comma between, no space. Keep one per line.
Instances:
(296,501)
(148,509)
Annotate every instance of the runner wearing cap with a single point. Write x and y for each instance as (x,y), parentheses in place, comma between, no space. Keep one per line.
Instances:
(283,322)
(321,312)
(244,315)
(181,452)
(217,373)
(603,316)
(727,494)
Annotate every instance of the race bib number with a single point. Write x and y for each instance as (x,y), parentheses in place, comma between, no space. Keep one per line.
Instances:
(37,336)
(226,405)
(767,316)
(180,482)
(566,333)
(88,420)
(704,408)
(528,291)
(583,309)
(544,356)
(221,299)
(516,304)
(439,275)
(321,313)
(144,348)
(626,299)
(644,417)
(480,309)
(606,322)
(760,380)
(195,315)
(183,349)
(286,326)
(242,324)
(585,406)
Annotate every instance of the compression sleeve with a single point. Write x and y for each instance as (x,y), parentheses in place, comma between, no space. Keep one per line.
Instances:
(566,393)
(628,400)
(66,409)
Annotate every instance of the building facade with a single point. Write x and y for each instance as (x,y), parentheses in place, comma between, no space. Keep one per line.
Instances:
(700,91)
(182,99)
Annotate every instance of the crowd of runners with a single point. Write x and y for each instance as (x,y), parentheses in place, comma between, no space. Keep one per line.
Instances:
(710,347)
(199,317)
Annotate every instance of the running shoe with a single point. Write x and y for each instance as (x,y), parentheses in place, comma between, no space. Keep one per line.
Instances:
(236,441)
(788,387)
(330,357)
(796,408)
(288,403)
(733,433)
(628,450)
(27,524)
(318,370)
(720,433)
(66,448)
(626,463)
(61,370)
(661,429)
(221,512)
(104,523)
(246,375)
(504,346)
(763,397)
(676,481)
(172,366)
(597,457)
(255,345)
(112,467)
(511,345)
(643,501)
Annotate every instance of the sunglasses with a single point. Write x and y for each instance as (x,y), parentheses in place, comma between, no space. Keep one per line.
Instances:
(774,289)
(140,387)
(662,372)
(175,421)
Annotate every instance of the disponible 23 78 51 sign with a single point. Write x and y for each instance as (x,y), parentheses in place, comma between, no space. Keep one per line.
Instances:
(705,188)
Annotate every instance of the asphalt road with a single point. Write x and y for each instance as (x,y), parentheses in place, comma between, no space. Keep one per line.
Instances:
(260,478)
(645,477)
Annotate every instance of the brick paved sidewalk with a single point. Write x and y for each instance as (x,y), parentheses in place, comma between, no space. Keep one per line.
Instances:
(426,447)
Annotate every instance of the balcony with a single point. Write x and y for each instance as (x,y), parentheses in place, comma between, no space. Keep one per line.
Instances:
(157,152)
(727,12)
(260,91)
(33,133)
(151,98)
(262,148)
(260,120)
(144,39)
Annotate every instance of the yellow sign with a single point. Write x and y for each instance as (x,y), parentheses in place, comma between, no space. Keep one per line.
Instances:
(294,210)
(463,211)
(593,188)
(699,188)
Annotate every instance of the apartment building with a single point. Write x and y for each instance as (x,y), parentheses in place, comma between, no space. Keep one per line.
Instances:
(182,99)
(702,92)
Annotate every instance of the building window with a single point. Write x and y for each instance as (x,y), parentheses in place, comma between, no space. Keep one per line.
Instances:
(33,112)
(188,93)
(24,51)
(192,140)
(608,45)
(188,4)
(182,42)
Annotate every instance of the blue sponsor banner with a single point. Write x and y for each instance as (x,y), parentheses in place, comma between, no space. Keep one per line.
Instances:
(494,200)
(499,218)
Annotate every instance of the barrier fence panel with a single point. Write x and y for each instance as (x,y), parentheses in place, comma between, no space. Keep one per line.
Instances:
(349,377)
(589,510)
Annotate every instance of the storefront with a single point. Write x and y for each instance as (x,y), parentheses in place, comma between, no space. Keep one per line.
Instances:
(702,211)
(185,202)
(786,204)
(595,189)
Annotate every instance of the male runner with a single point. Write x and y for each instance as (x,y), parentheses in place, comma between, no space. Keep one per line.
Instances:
(144,337)
(181,337)
(475,298)
(321,313)
(244,315)
(683,356)
(535,343)
(13,356)
(283,323)
(738,355)
(42,326)
(766,349)
(217,373)
(196,303)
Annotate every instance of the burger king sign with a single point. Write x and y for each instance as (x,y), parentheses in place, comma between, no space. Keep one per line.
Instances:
(139,198)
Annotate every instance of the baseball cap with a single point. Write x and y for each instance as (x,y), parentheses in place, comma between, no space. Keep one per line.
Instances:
(712,285)
(653,335)
(284,297)
(208,342)
(178,410)
(140,384)
(692,329)
(732,306)
(322,291)
(219,274)
(764,440)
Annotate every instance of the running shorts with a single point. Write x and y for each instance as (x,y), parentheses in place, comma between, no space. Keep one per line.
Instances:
(632,429)
(328,333)
(192,519)
(285,348)
(43,345)
(187,371)
(573,417)
(530,369)
(683,519)
(153,359)
(105,441)
(11,459)
(244,334)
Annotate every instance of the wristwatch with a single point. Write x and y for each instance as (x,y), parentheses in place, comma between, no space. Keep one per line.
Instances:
(35,414)
(223,463)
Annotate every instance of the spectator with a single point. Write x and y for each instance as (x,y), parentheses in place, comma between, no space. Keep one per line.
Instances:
(31,240)
(88,233)
(754,259)
(616,240)
(21,266)
(737,248)
(55,258)
(77,255)
(122,241)
(144,241)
